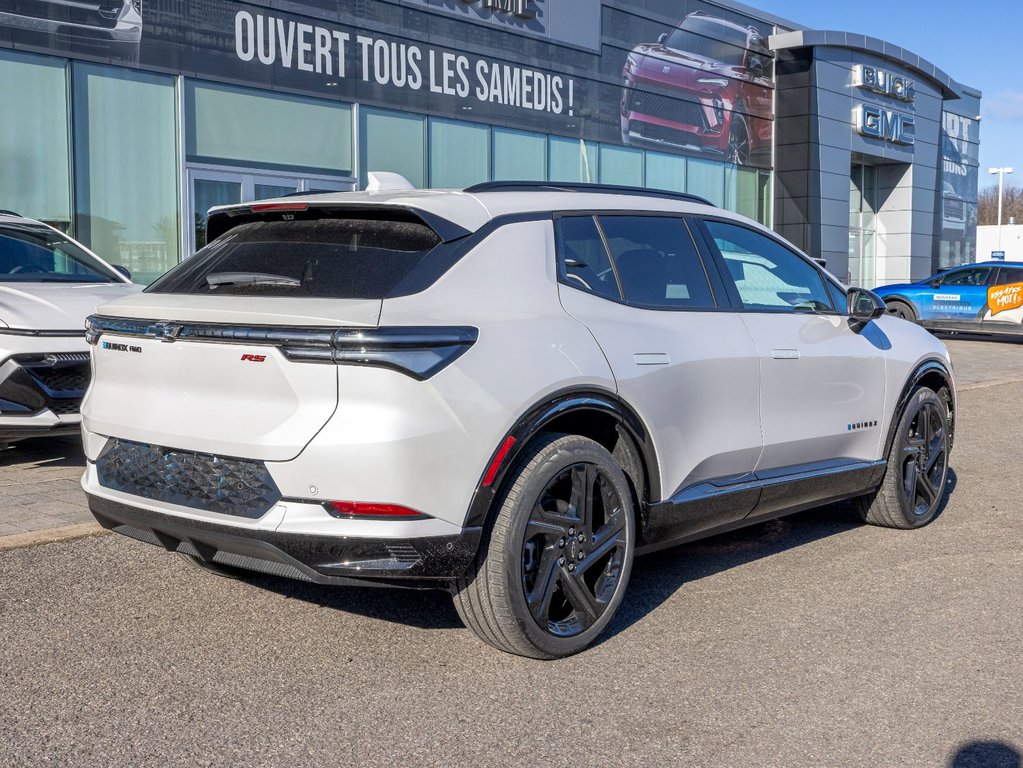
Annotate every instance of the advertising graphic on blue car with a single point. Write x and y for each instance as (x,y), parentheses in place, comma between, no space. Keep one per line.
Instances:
(979,298)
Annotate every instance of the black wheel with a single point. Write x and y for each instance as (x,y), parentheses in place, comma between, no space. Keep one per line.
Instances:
(915,481)
(555,564)
(901,309)
(738,141)
(227,571)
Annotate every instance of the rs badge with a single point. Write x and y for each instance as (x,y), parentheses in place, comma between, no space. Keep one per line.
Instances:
(253,358)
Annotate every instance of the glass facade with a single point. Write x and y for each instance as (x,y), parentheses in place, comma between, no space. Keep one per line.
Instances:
(272,122)
(392,141)
(621,165)
(459,154)
(35,166)
(572,160)
(126,167)
(520,155)
(120,145)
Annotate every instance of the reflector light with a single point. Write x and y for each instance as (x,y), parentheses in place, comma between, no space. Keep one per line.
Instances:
(259,208)
(371,509)
(495,465)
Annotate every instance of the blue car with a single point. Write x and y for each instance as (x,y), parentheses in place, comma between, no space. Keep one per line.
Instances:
(976,298)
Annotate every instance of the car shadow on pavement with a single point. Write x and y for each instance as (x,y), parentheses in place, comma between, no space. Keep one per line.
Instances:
(655,578)
(986,754)
(44,452)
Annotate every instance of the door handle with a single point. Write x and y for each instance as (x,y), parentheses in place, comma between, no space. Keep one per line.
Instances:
(785,354)
(650,358)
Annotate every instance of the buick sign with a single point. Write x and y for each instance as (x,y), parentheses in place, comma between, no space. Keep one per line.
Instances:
(883,83)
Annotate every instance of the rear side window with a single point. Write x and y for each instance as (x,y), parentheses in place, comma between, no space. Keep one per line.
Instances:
(337,258)
(1007,275)
(657,262)
(767,275)
(582,259)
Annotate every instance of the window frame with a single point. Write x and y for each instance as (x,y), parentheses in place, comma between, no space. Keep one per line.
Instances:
(718,289)
(991,272)
(1007,271)
(730,287)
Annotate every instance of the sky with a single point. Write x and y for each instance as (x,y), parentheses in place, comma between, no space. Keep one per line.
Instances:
(976,42)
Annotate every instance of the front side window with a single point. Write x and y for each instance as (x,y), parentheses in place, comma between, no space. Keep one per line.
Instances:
(767,275)
(34,254)
(657,262)
(973,276)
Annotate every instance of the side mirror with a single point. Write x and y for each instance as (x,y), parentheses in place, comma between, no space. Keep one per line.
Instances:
(820,261)
(935,283)
(123,270)
(662,37)
(864,306)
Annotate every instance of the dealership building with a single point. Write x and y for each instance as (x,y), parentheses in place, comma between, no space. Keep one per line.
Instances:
(124,121)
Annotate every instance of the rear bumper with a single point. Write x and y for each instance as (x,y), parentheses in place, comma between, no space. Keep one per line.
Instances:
(342,560)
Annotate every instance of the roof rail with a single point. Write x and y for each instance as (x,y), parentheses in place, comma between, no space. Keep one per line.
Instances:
(9,213)
(580,186)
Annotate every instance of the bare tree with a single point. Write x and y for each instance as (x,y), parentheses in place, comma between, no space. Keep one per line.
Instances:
(987,205)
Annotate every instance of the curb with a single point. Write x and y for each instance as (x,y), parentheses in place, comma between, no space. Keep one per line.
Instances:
(50,536)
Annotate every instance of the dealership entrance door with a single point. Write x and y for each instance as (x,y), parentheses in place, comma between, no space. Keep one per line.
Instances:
(863,207)
(209,186)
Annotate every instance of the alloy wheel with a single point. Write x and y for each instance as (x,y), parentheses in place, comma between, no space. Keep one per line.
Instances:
(924,459)
(573,550)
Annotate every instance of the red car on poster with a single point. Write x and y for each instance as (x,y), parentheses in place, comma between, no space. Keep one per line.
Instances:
(705,86)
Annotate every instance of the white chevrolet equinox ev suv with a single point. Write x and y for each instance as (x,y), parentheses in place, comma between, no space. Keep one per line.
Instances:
(506,391)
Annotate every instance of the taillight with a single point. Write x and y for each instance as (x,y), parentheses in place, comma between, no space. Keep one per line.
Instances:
(417,351)
(345,509)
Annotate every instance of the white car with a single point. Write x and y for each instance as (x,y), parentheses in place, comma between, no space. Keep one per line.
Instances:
(506,391)
(49,284)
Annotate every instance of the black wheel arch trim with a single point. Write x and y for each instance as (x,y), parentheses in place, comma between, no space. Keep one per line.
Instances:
(543,413)
(932,365)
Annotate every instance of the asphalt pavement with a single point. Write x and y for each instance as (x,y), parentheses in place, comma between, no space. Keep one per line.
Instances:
(813,641)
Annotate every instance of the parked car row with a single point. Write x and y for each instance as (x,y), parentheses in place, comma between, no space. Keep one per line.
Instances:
(48,285)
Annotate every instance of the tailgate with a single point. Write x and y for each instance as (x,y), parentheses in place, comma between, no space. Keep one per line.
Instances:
(228,389)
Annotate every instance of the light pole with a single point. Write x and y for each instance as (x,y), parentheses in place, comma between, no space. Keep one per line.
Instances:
(1001,178)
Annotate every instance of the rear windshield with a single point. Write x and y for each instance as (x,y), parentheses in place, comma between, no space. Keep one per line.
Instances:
(333,258)
(34,254)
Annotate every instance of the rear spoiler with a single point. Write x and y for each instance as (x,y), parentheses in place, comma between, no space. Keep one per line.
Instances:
(221,220)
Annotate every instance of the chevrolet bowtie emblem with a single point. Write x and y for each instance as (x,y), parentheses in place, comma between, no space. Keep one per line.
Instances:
(165,331)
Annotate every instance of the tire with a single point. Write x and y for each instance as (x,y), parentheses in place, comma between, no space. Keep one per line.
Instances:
(738,142)
(901,309)
(534,589)
(219,569)
(914,484)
